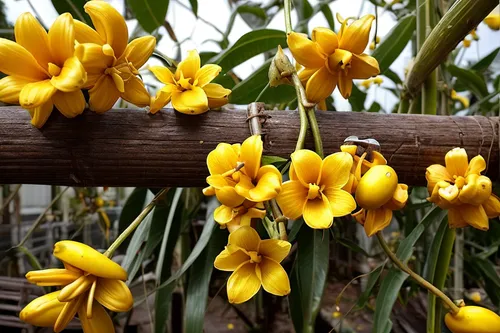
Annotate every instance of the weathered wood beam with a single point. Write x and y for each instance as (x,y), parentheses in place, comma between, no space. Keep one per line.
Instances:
(133,148)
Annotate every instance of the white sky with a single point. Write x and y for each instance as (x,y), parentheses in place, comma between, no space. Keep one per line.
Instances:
(195,32)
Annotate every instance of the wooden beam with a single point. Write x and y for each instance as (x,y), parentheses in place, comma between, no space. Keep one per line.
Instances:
(134,148)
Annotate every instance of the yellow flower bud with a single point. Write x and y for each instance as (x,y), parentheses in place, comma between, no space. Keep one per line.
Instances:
(376,187)
(473,319)
(42,311)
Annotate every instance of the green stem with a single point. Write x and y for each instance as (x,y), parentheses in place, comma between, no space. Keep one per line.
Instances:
(127,232)
(420,280)
(304,123)
(10,197)
(288,16)
(404,105)
(318,143)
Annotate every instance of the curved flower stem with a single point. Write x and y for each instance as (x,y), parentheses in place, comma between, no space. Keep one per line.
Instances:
(423,282)
(318,143)
(304,123)
(288,16)
(127,232)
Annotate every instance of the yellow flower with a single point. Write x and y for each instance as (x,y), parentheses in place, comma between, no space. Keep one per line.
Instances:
(234,217)
(466,43)
(473,319)
(460,188)
(189,88)
(42,69)
(475,296)
(372,44)
(314,190)
(254,263)
(462,99)
(493,19)
(90,281)
(368,83)
(111,64)
(330,60)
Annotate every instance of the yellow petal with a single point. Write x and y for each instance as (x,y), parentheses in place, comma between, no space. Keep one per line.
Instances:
(224,214)
(135,92)
(363,67)
(114,295)
(72,77)
(320,85)
(307,166)
(455,218)
(138,51)
(61,39)
(476,190)
(109,24)
(223,158)
(274,249)
(36,94)
(191,102)
(68,312)
(274,278)
(70,104)
(399,198)
(52,277)
(10,88)
(292,198)
(476,165)
(339,60)
(228,196)
(268,184)
(216,91)
(244,283)
(318,213)
(214,103)
(305,51)
(163,74)
(326,39)
(76,288)
(103,95)
(492,206)
(230,260)
(100,321)
(306,73)
(251,153)
(40,114)
(85,34)
(206,74)
(434,174)
(189,66)
(16,60)
(88,260)
(335,170)
(355,36)
(93,60)
(161,99)
(376,220)
(456,162)
(246,238)
(341,202)
(32,36)
(42,311)
(475,216)
(345,85)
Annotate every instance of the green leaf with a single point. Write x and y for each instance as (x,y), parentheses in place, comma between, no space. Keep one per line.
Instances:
(249,45)
(393,44)
(246,12)
(375,107)
(199,282)
(394,279)
(357,99)
(485,62)
(488,270)
(473,81)
(74,7)
(304,12)
(372,280)
(393,76)
(266,160)
(194,7)
(308,277)
(132,208)
(353,246)
(150,13)
(294,231)
(327,12)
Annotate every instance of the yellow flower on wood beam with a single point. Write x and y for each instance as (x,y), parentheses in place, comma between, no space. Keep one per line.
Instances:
(254,263)
(459,187)
(90,281)
(112,64)
(189,88)
(42,69)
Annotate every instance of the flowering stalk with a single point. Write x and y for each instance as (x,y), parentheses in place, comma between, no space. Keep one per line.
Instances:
(423,282)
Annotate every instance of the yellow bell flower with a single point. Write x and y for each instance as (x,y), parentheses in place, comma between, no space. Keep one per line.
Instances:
(189,88)
(42,69)
(314,190)
(234,217)
(493,19)
(90,281)
(254,263)
(460,188)
(462,99)
(473,319)
(112,64)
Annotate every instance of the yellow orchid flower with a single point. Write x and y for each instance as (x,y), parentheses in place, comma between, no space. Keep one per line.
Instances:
(90,281)
(460,188)
(112,64)
(493,19)
(314,190)
(235,217)
(462,99)
(330,60)
(254,263)
(42,69)
(189,88)
(473,319)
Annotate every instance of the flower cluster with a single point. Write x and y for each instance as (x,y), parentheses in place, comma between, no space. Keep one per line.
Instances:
(330,60)
(460,188)
(47,69)
(90,283)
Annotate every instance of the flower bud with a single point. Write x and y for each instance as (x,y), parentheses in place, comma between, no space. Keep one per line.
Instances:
(279,69)
(376,187)
(42,311)
(473,319)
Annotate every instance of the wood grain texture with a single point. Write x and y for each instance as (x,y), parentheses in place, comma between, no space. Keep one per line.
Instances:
(134,148)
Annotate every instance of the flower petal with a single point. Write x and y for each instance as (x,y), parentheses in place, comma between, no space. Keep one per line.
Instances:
(399,198)
(244,283)
(475,216)
(318,213)
(268,184)
(455,218)
(163,74)
(70,104)
(114,295)
(190,101)
(206,74)
(326,39)
(434,174)
(492,206)
(214,103)
(68,313)
(246,238)
(223,158)
(216,91)
(10,88)
(230,260)
(161,99)
(32,36)
(52,277)
(476,165)
(320,85)
(355,36)
(138,51)
(16,60)
(292,198)
(335,170)
(363,67)
(103,95)
(88,260)
(376,220)
(40,114)
(223,214)
(93,59)
(189,66)
(274,249)
(42,311)
(61,38)
(85,34)
(227,195)
(456,162)
(109,24)
(341,202)
(135,92)
(274,278)
(305,51)
(476,191)
(76,288)
(307,166)
(306,73)
(100,321)
(345,85)
(72,77)
(251,153)
(36,94)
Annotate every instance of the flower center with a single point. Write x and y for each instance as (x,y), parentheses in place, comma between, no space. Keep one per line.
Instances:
(339,60)
(459,182)
(54,70)
(121,73)
(313,192)
(449,193)
(254,257)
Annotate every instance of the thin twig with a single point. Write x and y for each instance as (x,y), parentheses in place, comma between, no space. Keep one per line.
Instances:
(10,198)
